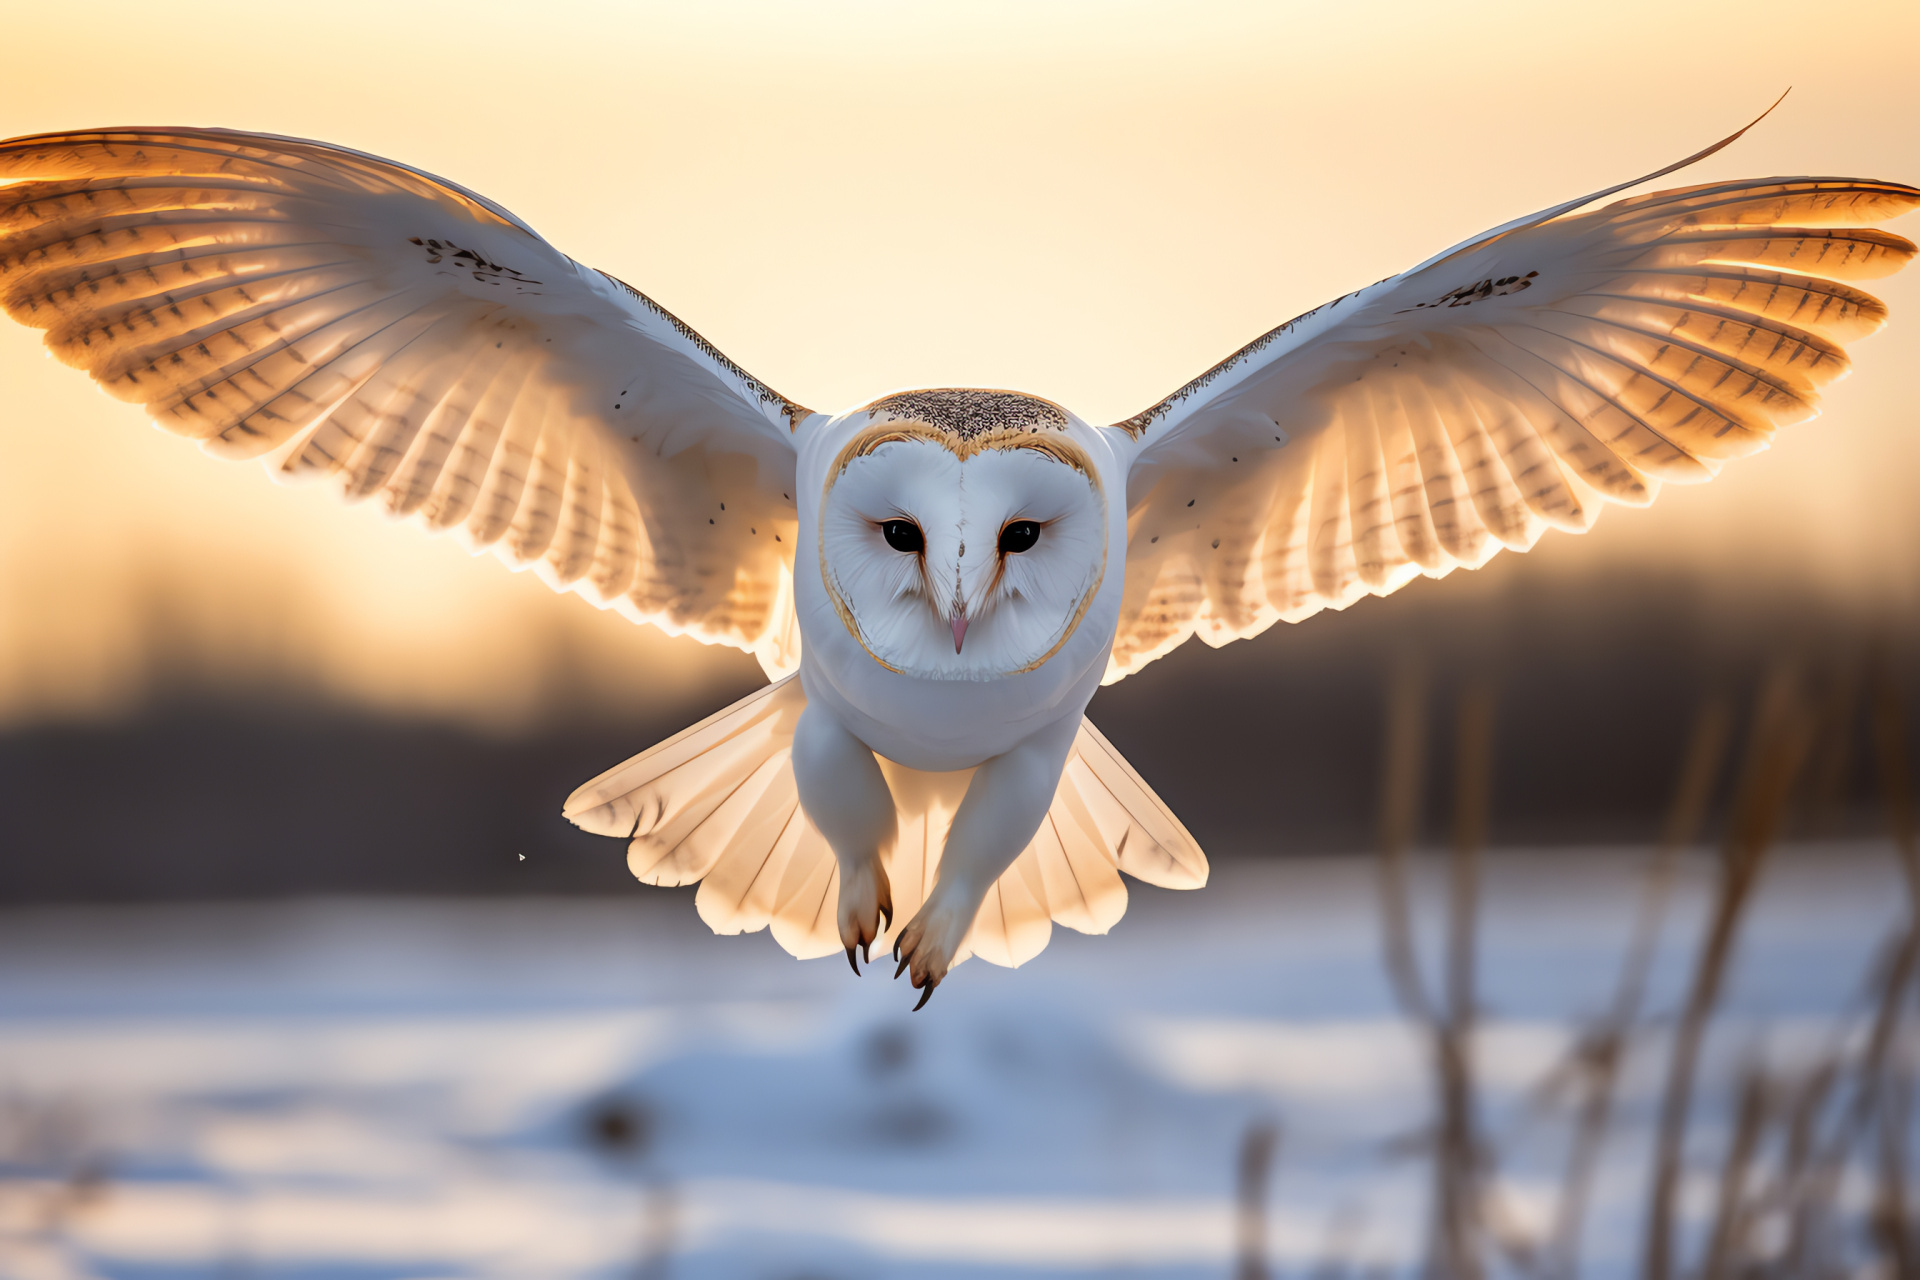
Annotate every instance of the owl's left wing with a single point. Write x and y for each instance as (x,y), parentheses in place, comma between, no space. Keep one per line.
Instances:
(1509,385)
(346,317)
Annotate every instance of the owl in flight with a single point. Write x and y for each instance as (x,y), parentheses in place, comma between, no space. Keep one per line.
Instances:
(935,582)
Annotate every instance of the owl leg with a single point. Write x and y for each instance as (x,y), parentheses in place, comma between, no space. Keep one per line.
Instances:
(1004,806)
(845,794)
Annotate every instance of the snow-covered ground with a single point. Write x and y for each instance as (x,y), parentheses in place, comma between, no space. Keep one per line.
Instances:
(547,1088)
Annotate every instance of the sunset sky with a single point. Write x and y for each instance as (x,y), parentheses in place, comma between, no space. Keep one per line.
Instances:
(1090,201)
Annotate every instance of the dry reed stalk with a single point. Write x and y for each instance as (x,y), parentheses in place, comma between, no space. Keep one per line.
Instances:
(1602,1051)
(1833,753)
(1894,768)
(1699,770)
(1454,1252)
(1813,1220)
(1863,1083)
(1777,744)
(1402,787)
(1253,1170)
(1457,1163)
(1888,1084)
(1890,1213)
(1802,1111)
(1731,1213)
(1473,783)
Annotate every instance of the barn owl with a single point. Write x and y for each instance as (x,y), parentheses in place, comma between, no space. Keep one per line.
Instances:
(937,581)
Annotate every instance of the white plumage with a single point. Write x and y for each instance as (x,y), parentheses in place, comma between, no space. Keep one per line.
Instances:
(716,804)
(937,581)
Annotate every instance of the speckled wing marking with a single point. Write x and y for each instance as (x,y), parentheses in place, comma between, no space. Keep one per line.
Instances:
(792,410)
(1517,383)
(1138,425)
(342,316)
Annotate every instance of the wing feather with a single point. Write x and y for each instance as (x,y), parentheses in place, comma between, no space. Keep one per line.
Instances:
(346,318)
(1335,568)
(1834,253)
(457,490)
(1376,548)
(1285,574)
(1519,382)
(1407,481)
(1459,535)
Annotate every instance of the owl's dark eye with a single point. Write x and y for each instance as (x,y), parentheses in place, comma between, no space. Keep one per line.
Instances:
(903,535)
(1018,536)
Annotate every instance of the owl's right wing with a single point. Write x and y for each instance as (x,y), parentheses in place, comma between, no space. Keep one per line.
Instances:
(1517,382)
(343,316)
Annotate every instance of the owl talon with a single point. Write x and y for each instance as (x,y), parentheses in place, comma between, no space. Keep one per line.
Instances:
(865,899)
(928,942)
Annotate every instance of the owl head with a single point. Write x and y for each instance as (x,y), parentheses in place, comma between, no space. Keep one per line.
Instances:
(962,533)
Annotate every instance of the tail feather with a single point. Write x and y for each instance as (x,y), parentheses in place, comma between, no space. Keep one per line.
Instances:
(1014,924)
(635,797)
(1081,879)
(717,803)
(804,910)
(742,892)
(1147,841)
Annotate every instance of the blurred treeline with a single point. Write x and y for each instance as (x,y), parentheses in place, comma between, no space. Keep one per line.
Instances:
(217,785)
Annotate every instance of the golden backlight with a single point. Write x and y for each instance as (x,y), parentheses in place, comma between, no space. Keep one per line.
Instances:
(1088,201)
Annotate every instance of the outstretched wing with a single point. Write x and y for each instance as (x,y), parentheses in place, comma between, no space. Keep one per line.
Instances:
(342,316)
(1510,385)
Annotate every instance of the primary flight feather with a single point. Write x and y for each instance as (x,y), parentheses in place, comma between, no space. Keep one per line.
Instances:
(937,581)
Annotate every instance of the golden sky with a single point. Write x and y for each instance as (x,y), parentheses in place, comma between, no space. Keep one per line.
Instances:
(1091,201)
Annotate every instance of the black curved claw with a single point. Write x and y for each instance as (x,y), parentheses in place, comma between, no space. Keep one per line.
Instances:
(925,996)
(866,951)
(903,966)
(886,913)
(896,950)
(854,964)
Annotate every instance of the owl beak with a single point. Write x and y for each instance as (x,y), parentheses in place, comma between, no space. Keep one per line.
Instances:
(959,629)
